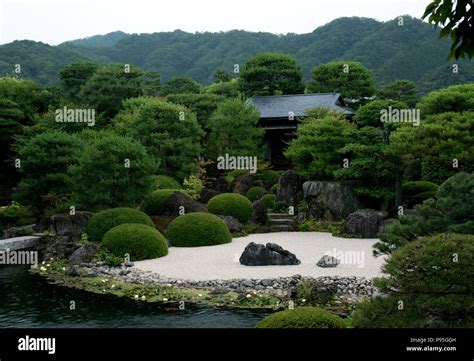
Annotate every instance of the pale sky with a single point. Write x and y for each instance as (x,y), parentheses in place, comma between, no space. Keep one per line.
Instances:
(54,21)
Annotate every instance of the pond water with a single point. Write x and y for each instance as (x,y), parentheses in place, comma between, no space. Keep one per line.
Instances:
(28,301)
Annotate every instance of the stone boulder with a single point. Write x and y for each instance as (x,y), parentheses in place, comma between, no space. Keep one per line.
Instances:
(84,254)
(331,201)
(233,224)
(19,231)
(207,194)
(70,226)
(259,212)
(57,247)
(323,293)
(290,188)
(327,262)
(267,255)
(174,204)
(242,183)
(364,223)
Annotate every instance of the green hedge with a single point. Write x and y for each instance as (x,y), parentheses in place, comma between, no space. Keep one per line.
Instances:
(103,221)
(269,200)
(139,241)
(152,204)
(255,193)
(412,189)
(231,204)
(267,175)
(198,229)
(166,182)
(302,317)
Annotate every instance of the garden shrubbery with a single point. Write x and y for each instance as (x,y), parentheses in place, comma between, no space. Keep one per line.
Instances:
(255,193)
(451,211)
(231,204)
(102,222)
(269,200)
(165,182)
(303,317)
(198,229)
(152,204)
(430,283)
(138,240)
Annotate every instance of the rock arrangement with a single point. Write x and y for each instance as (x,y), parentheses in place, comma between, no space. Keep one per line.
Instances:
(344,287)
(267,255)
(366,223)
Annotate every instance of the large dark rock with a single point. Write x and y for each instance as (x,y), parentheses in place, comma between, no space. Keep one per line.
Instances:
(57,247)
(259,213)
(179,201)
(331,201)
(84,254)
(290,188)
(242,183)
(70,226)
(233,224)
(270,254)
(207,194)
(364,223)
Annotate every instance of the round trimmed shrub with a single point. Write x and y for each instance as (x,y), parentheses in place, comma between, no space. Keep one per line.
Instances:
(412,189)
(267,175)
(152,204)
(138,240)
(198,229)
(166,182)
(269,200)
(231,204)
(255,193)
(103,221)
(302,317)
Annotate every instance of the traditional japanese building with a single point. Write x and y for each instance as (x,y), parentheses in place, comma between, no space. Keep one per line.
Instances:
(280,115)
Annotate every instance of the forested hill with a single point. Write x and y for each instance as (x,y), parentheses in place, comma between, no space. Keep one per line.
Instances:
(412,51)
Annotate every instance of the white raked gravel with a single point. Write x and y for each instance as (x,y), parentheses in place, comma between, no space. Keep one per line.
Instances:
(222,262)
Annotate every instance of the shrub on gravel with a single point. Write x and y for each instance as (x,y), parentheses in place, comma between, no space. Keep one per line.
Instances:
(198,229)
(103,221)
(302,317)
(231,204)
(138,240)
(152,204)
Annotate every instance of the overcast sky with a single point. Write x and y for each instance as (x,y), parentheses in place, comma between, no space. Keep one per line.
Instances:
(55,21)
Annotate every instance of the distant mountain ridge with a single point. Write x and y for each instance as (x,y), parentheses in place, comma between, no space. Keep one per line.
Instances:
(412,51)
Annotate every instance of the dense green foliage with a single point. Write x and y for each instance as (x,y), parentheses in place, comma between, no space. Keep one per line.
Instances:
(153,202)
(234,130)
(457,21)
(170,133)
(103,221)
(45,160)
(112,171)
(429,283)
(369,115)
(197,230)
(165,182)
(269,200)
(255,193)
(401,90)
(181,85)
(350,78)
(456,98)
(137,240)
(451,211)
(74,76)
(231,204)
(302,317)
(271,74)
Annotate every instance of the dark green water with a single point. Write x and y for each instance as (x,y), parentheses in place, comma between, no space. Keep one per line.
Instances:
(27,301)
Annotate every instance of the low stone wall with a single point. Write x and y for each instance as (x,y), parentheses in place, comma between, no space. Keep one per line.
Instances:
(347,287)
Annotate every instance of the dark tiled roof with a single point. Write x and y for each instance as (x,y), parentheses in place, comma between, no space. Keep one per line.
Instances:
(279,106)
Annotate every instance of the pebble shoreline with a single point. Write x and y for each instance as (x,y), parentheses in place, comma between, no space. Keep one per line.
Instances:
(352,288)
